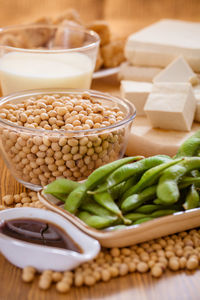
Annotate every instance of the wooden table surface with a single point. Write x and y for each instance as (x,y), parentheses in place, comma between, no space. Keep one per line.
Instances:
(133,15)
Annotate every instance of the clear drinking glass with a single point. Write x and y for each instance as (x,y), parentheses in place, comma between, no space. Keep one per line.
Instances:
(46,56)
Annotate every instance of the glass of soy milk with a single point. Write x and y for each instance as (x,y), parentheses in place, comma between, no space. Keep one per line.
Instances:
(46,56)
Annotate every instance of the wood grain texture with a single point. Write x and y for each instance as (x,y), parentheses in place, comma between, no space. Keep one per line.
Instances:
(125,16)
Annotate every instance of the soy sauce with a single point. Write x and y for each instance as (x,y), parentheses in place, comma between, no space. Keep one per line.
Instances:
(39,232)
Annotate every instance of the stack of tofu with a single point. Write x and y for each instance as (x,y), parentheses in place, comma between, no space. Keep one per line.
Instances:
(159,77)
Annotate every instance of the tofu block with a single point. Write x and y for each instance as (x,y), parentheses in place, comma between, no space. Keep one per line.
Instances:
(135,73)
(137,93)
(158,44)
(177,71)
(171,106)
(196,90)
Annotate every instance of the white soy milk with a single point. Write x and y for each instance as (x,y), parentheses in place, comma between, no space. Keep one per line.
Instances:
(24,71)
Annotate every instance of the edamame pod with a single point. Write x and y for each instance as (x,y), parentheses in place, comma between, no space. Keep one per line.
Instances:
(167,190)
(106,201)
(190,146)
(132,170)
(92,207)
(75,198)
(150,177)
(61,186)
(162,213)
(147,208)
(143,220)
(102,172)
(135,216)
(94,221)
(136,200)
(192,199)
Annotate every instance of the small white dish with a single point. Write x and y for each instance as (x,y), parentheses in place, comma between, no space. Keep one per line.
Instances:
(23,254)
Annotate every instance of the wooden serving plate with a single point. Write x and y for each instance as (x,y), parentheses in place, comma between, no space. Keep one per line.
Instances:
(148,141)
(133,234)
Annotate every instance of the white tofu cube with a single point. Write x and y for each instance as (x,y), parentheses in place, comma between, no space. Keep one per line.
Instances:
(136,93)
(171,106)
(158,44)
(177,71)
(135,73)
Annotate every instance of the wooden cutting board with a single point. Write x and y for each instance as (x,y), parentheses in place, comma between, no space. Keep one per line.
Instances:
(147,141)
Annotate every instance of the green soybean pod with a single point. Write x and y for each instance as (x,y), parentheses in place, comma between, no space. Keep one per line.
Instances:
(140,221)
(61,186)
(192,199)
(162,213)
(102,172)
(132,170)
(62,197)
(136,200)
(189,180)
(150,177)
(167,190)
(147,208)
(94,221)
(91,206)
(75,198)
(106,201)
(117,190)
(190,147)
(135,216)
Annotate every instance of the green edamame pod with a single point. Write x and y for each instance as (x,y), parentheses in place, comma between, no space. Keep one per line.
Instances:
(143,220)
(190,146)
(132,170)
(192,199)
(62,197)
(189,180)
(150,177)
(97,222)
(61,186)
(106,201)
(167,190)
(92,207)
(135,216)
(75,198)
(136,200)
(102,172)
(117,190)
(162,213)
(147,208)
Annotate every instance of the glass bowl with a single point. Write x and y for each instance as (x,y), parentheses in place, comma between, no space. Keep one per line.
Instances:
(46,56)
(36,157)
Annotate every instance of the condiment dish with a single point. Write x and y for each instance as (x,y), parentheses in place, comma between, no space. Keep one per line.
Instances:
(22,253)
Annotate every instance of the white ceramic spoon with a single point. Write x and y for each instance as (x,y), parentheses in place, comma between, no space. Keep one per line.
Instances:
(23,254)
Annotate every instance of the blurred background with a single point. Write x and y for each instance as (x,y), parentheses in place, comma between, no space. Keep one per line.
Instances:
(124,16)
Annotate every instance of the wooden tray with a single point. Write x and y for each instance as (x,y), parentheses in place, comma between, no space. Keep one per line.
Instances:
(133,234)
